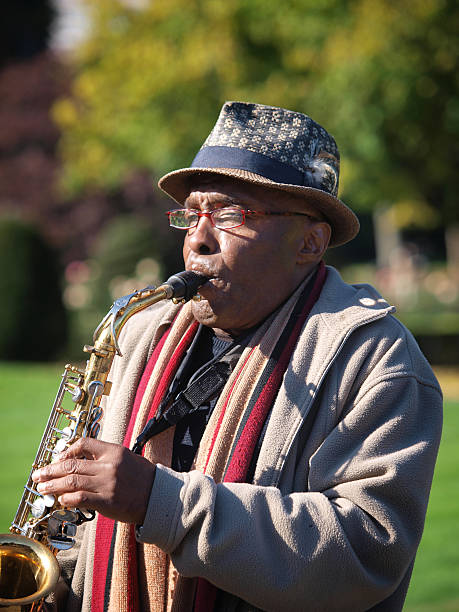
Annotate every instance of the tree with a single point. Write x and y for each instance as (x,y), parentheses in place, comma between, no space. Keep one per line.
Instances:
(33,324)
(29,164)
(24,29)
(380,75)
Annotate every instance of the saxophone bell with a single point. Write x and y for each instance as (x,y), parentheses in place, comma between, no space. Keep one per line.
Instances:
(28,573)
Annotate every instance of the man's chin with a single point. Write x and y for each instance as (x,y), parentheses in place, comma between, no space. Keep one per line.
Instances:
(224,325)
(204,313)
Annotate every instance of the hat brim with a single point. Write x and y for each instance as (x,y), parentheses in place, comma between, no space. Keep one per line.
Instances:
(344,223)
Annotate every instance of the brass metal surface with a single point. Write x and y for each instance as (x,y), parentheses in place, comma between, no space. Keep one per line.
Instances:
(28,572)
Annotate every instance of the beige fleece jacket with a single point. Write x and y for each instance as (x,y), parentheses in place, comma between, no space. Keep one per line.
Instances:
(334,517)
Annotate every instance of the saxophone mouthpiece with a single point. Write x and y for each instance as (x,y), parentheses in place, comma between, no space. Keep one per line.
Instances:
(185,284)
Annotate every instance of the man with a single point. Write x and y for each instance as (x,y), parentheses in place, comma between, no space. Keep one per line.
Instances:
(298,418)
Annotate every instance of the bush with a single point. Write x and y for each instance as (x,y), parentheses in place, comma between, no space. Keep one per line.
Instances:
(124,242)
(32,316)
(131,252)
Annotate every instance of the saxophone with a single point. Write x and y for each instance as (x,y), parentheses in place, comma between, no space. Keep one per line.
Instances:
(41,528)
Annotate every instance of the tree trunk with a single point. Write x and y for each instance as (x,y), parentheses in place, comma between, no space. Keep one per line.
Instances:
(452,251)
(387,237)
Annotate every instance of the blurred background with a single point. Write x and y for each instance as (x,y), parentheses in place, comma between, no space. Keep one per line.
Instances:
(99,99)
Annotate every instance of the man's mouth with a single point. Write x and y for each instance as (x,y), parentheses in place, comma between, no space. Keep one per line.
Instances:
(210,282)
(209,286)
(204,279)
(204,272)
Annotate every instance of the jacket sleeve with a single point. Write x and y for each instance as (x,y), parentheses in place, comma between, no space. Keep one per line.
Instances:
(343,544)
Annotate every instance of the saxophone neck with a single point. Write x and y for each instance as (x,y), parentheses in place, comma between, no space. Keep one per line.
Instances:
(107,333)
(180,287)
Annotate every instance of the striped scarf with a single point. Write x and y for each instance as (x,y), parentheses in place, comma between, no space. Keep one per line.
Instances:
(129,576)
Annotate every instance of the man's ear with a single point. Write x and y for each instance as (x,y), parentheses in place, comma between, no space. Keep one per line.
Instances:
(315,242)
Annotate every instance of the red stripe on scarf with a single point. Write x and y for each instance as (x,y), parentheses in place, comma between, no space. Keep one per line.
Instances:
(105,526)
(206,593)
(222,413)
(133,581)
(172,366)
(243,452)
(142,387)
(104,534)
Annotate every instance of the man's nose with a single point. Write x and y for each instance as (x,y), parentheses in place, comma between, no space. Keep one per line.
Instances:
(202,238)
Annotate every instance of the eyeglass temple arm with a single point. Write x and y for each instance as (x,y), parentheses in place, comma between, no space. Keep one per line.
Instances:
(279,213)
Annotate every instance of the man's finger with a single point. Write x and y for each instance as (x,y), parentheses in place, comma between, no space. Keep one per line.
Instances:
(89,448)
(64,468)
(64,484)
(84,500)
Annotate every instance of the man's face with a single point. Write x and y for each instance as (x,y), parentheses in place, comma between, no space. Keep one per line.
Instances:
(252,269)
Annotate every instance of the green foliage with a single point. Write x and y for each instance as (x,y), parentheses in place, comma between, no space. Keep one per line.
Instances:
(121,245)
(32,317)
(380,75)
(129,253)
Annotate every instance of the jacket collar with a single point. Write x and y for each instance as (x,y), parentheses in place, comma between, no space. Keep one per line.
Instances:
(340,310)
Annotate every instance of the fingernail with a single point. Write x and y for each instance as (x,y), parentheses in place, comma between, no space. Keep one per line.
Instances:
(41,487)
(36,475)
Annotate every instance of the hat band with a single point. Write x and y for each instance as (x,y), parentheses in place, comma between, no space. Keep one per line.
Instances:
(242,159)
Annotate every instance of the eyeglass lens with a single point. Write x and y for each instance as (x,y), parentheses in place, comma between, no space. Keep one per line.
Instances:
(222,218)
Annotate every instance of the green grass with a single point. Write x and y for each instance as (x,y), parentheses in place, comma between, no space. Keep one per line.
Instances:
(435,583)
(26,395)
(27,392)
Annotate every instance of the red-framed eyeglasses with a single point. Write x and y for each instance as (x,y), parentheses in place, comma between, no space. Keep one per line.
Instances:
(221,218)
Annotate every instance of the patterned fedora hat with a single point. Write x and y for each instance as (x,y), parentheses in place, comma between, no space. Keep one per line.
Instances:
(277,149)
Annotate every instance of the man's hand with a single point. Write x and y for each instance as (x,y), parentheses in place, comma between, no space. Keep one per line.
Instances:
(100,476)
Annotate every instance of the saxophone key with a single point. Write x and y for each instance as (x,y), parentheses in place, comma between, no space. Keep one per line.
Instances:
(66,432)
(62,527)
(77,393)
(61,542)
(63,443)
(59,447)
(71,368)
(99,352)
(41,505)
